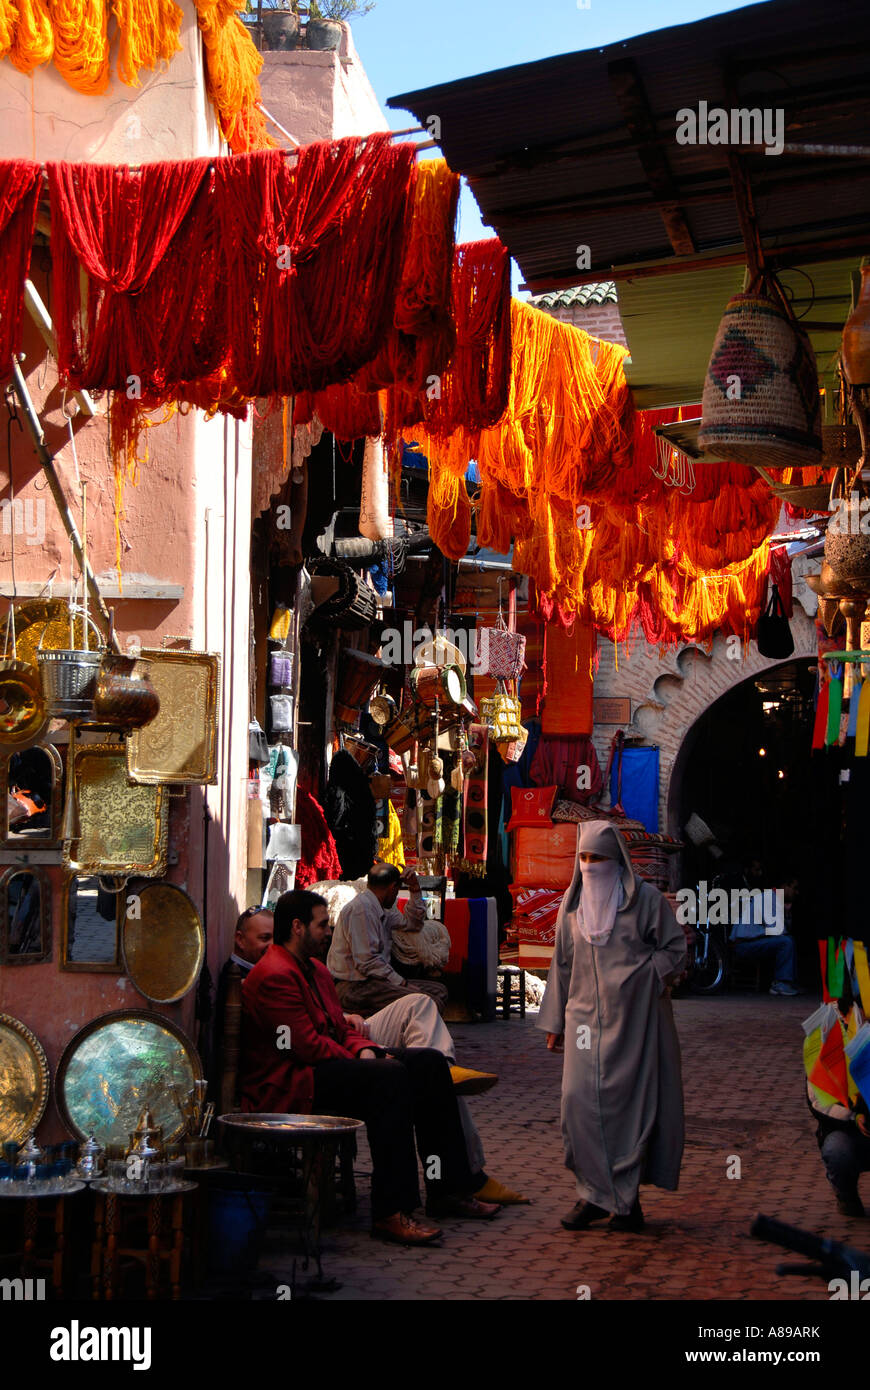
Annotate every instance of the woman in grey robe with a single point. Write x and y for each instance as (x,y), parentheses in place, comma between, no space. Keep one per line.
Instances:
(618,946)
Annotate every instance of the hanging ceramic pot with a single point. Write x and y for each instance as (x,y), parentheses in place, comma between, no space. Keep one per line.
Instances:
(856,336)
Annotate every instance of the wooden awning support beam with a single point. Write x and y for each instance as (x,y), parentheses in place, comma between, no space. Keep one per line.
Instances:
(631,95)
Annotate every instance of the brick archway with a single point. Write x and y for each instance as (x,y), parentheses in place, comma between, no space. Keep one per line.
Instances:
(679,688)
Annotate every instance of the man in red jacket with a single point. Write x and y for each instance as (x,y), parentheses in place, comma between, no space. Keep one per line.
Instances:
(300,1056)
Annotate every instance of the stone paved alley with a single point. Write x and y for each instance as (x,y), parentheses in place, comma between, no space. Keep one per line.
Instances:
(744,1092)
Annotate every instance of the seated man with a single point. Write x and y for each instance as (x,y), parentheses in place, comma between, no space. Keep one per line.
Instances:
(415,1022)
(749,922)
(253,935)
(359,958)
(843,1137)
(299,1055)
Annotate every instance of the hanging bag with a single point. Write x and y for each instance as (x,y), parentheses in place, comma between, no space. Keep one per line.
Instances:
(761,392)
(499,651)
(773,634)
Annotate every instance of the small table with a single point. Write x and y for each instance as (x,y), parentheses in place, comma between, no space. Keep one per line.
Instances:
(316,1135)
(112,1210)
(58,1192)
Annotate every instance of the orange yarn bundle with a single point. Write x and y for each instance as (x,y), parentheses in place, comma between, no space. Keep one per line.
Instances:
(232,67)
(81,43)
(8,20)
(33,39)
(148,32)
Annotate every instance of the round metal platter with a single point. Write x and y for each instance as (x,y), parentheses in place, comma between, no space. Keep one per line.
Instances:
(119,1065)
(24,1081)
(289,1126)
(164,945)
(45,620)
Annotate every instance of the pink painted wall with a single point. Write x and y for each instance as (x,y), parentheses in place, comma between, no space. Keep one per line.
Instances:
(177,525)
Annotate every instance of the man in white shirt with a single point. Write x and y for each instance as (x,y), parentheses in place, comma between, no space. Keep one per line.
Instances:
(359,957)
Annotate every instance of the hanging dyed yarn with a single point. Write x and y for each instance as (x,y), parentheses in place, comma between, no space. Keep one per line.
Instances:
(33,38)
(148,31)
(312,251)
(19,195)
(81,42)
(232,68)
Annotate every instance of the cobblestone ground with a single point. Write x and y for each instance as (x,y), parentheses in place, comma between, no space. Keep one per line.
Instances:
(744,1094)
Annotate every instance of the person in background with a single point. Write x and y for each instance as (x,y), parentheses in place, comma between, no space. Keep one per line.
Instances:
(359,957)
(750,939)
(618,947)
(328,1068)
(843,1136)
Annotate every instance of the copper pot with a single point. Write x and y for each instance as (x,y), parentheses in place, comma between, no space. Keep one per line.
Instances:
(125,695)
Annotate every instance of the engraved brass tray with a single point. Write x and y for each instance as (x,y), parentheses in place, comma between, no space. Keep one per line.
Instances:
(119,1065)
(24,1081)
(124,829)
(179,746)
(291,1127)
(164,946)
(44,620)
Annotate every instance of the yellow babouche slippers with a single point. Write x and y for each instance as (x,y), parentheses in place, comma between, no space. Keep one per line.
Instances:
(472,1083)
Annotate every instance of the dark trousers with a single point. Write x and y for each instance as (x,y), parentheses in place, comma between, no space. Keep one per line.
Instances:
(411,1092)
(846,1155)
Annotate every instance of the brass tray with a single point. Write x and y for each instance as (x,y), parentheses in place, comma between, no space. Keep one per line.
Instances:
(24,1081)
(291,1127)
(124,828)
(117,1066)
(45,619)
(164,946)
(179,746)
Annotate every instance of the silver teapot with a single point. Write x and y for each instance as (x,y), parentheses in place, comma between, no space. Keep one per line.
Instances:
(92,1159)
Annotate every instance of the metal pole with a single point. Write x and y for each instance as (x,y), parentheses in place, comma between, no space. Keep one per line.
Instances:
(57,492)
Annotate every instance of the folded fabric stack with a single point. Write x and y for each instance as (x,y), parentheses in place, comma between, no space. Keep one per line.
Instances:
(534,924)
(649,855)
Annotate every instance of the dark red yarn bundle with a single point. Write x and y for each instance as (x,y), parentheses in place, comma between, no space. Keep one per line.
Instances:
(184,280)
(19,195)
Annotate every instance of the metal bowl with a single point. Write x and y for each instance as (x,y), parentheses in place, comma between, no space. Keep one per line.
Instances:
(291,1127)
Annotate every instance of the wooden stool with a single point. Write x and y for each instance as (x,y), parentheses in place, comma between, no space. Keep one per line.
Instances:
(508,976)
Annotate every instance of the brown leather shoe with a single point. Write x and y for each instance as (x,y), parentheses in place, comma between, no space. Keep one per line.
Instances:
(467,1207)
(406,1230)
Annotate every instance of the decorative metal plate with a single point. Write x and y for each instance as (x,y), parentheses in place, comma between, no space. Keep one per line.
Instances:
(164,945)
(179,746)
(63,1187)
(24,1081)
(292,1127)
(45,620)
(117,1066)
(122,1190)
(124,828)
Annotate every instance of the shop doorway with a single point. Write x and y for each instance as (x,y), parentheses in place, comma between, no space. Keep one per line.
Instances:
(744,769)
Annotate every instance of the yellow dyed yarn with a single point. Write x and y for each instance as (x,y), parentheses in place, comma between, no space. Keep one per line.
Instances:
(81,43)
(33,41)
(148,31)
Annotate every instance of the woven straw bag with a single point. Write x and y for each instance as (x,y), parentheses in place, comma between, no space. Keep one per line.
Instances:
(761,392)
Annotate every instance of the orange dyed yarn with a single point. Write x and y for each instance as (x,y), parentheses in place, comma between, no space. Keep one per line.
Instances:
(232,68)
(81,43)
(148,33)
(33,40)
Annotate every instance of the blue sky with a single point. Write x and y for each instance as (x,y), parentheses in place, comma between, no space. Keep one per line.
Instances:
(404,45)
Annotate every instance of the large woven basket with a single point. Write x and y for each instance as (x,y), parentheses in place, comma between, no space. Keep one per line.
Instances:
(761,392)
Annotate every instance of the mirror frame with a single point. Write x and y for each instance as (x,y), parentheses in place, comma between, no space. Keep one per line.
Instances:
(53,840)
(33,958)
(113,967)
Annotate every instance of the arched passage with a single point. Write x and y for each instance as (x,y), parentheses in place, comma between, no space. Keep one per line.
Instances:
(743,767)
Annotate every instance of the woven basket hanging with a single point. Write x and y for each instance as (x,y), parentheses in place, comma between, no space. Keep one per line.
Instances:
(500,651)
(761,392)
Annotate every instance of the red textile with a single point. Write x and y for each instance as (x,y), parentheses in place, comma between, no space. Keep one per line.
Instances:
(567,707)
(475,386)
(319,860)
(136,234)
(184,281)
(780,574)
(277,994)
(337,214)
(559,760)
(531,806)
(19,195)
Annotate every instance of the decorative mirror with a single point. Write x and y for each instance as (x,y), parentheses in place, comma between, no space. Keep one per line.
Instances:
(119,1065)
(31,798)
(25,917)
(91,926)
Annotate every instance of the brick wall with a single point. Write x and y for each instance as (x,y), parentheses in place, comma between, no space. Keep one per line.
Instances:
(598,320)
